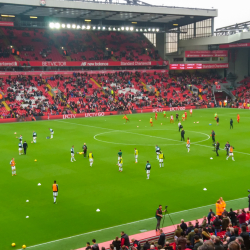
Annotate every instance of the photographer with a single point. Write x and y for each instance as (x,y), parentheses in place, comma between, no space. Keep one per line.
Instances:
(217,147)
(158,216)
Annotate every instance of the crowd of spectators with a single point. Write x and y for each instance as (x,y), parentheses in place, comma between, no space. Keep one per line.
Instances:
(228,230)
(120,91)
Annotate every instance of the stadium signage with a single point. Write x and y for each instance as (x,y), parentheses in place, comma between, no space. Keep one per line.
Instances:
(52,73)
(91,63)
(94,114)
(206,53)
(8,64)
(189,66)
(234,45)
(70,116)
(4,23)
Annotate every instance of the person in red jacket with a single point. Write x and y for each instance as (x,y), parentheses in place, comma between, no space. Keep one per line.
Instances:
(242,217)
(125,240)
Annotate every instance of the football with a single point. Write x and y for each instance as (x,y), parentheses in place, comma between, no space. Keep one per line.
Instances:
(23,246)
(13,244)
(31,141)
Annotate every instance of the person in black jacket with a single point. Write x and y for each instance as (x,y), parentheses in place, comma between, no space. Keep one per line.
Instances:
(25,146)
(245,235)
(213,136)
(227,146)
(231,124)
(182,135)
(161,240)
(217,148)
(183,226)
(233,216)
(146,245)
(218,245)
(117,243)
(124,240)
(85,148)
(217,224)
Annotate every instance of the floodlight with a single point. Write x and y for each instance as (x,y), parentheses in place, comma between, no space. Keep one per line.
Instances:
(63,25)
(57,25)
(73,26)
(131,28)
(127,28)
(52,25)
(68,26)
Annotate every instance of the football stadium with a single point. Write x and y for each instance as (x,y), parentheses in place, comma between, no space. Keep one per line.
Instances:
(124,126)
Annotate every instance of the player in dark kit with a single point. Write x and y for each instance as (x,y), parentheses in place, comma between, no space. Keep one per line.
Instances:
(231,124)
(217,148)
(85,148)
(217,120)
(177,117)
(182,135)
(227,147)
(213,136)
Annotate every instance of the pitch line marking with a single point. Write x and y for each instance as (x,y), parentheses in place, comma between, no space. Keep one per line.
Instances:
(129,223)
(133,144)
(151,137)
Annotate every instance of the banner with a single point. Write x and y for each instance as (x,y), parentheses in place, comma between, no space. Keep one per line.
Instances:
(5,23)
(206,53)
(190,66)
(89,72)
(218,87)
(234,45)
(9,64)
(92,63)
(98,114)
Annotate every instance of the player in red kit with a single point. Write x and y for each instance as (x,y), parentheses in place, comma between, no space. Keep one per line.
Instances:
(156,115)
(191,112)
(185,115)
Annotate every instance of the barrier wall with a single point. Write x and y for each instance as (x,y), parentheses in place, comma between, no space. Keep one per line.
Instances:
(98,114)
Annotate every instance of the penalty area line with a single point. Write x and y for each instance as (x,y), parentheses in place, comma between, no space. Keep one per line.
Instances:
(130,223)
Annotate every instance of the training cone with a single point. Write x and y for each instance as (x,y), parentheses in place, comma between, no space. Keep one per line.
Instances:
(15,133)
(204,189)
(98,210)
(137,126)
(39,184)
(211,158)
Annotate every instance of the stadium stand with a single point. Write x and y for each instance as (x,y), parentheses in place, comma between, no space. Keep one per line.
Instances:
(215,231)
(79,93)
(42,45)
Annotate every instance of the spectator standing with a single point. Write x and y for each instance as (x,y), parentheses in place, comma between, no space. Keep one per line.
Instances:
(217,224)
(146,246)
(124,240)
(197,242)
(225,222)
(183,226)
(88,247)
(161,240)
(182,241)
(178,231)
(95,245)
(209,215)
(116,243)
(242,217)
(245,236)
(232,215)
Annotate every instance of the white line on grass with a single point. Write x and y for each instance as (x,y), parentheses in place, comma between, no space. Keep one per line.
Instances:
(100,230)
(149,135)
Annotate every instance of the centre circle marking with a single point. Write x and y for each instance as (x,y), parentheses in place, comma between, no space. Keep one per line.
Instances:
(119,143)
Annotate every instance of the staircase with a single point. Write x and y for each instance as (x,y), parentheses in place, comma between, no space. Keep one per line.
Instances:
(6,106)
(97,84)
(145,87)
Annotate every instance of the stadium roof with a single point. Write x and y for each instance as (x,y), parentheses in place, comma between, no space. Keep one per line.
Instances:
(105,12)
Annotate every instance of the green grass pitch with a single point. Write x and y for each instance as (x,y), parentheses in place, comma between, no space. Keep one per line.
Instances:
(121,197)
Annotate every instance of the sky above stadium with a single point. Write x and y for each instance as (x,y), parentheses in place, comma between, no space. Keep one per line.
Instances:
(229,12)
